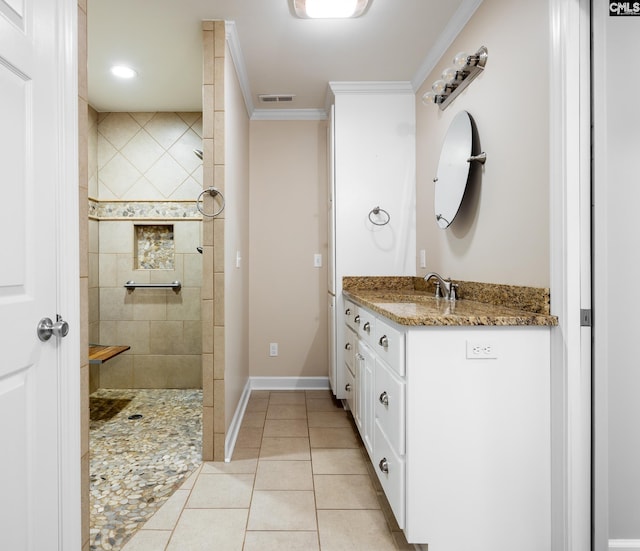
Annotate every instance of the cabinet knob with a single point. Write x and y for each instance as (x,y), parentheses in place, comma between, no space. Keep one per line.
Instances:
(384,341)
(384,398)
(347,312)
(347,387)
(347,346)
(359,356)
(384,465)
(357,319)
(367,327)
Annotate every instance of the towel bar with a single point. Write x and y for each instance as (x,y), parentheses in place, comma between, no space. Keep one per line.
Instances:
(175,285)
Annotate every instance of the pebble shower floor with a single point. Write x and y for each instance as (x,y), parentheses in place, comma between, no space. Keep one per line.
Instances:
(137,462)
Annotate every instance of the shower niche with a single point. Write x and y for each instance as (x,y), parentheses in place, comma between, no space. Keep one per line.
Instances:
(154,247)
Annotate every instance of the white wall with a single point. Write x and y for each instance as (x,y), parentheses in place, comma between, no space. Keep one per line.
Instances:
(501,234)
(616,268)
(288,226)
(236,241)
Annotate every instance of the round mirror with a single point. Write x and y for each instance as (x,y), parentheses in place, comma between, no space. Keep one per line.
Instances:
(453,169)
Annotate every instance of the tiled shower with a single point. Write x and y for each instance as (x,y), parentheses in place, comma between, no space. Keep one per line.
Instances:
(143,226)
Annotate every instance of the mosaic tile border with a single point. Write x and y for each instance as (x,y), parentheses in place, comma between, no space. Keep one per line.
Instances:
(143,210)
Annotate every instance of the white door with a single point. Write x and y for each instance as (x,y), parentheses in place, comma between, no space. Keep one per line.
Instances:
(33,167)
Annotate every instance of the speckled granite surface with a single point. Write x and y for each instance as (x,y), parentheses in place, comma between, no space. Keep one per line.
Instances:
(410,301)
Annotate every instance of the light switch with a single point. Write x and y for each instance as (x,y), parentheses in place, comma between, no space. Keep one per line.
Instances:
(317,260)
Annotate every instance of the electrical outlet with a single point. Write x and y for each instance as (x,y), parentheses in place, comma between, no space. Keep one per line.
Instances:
(481,350)
(273,349)
(423,258)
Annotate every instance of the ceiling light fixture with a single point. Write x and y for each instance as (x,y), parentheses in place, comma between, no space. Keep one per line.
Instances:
(329,9)
(457,78)
(122,71)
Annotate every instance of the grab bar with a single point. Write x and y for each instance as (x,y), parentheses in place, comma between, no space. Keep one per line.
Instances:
(175,285)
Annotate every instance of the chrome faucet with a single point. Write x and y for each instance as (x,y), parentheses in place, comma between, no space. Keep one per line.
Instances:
(446,287)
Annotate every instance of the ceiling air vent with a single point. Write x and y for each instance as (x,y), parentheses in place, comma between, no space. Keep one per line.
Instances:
(275,98)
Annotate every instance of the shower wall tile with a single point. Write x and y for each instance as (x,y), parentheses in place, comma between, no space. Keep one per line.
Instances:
(108,333)
(125,270)
(219,358)
(118,128)
(184,305)
(142,151)
(219,424)
(164,371)
(148,156)
(142,117)
(107,267)
(207,435)
(193,337)
(149,304)
(115,304)
(116,237)
(207,380)
(218,294)
(192,270)
(135,334)
(207,327)
(167,337)
(186,234)
(117,372)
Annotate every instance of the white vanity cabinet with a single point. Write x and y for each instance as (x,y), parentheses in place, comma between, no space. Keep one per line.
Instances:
(460,432)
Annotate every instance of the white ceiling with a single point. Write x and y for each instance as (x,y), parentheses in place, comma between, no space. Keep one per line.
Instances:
(279,54)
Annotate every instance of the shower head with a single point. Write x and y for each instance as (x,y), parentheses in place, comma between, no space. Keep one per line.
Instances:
(198,153)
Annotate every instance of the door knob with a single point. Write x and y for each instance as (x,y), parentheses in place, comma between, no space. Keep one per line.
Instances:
(46,328)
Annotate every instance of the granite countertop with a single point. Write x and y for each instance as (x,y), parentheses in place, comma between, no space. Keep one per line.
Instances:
(406,303)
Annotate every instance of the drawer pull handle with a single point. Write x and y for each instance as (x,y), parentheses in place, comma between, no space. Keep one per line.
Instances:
(357,319)
(384,465)
(359,356)
(367,327)
(347,346)
(347,387)
(384,398)
(347,312)
(384,341)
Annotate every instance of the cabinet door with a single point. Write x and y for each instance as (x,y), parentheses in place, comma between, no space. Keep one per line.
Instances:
(389,405)
(366,367)
(350,349)
(350,390)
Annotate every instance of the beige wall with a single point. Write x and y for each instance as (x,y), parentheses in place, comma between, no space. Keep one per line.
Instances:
(145,157)
(236,241)
(288,296)
(502,233)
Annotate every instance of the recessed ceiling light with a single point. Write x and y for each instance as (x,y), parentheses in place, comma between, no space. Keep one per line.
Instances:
(122,71)
(329,9)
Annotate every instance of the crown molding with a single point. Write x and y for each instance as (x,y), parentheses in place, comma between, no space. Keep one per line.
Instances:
(371,87)
(450,32)
(289,115)
(233,41)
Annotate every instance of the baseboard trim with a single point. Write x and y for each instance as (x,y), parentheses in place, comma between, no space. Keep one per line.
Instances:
(234,427)
(289,383)
(629,545)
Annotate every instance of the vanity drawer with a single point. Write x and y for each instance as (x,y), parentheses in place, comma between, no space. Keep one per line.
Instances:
(350,312)
(365,323)
(389,345)
(389,406)
(390,470)
(350,347)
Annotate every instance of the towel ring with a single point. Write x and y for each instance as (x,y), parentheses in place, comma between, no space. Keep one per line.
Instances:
(213,192)
(376,211)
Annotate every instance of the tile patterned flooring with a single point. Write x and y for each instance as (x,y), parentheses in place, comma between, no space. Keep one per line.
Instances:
(299,479)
